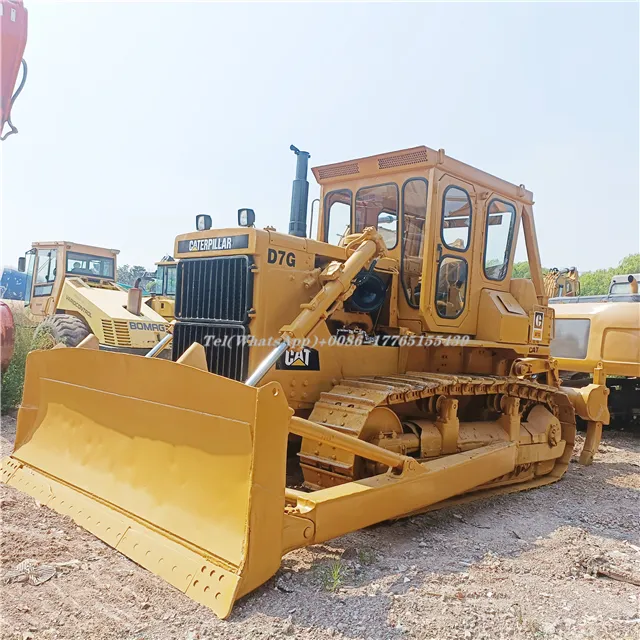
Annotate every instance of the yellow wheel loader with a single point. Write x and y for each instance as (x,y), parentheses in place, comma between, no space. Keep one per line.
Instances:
(391,366)
(164,295)
(597,339)
(71,293)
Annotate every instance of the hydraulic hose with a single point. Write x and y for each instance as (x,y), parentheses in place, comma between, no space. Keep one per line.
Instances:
(14,97)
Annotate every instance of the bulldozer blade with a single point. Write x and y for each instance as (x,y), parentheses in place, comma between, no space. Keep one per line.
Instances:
(158,459)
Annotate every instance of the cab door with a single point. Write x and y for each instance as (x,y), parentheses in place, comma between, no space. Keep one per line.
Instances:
(43,288)
(446,304)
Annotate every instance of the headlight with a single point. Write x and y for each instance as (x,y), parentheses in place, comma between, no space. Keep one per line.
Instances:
(203,222)
(246,217)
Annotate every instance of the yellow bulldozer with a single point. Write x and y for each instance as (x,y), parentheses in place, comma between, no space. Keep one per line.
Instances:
(560,283)
(389,367)
(71,292)
(597,339)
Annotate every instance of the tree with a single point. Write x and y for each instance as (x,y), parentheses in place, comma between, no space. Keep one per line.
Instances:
(629,264)
(593,283)
(128,275)
(521,270)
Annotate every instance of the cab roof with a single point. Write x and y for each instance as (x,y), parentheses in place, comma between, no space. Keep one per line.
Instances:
(406,160)
(74,246)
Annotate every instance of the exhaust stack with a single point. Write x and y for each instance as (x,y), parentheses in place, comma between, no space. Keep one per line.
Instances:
(299,195)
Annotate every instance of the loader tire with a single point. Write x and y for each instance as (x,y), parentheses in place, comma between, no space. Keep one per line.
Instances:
(60,329)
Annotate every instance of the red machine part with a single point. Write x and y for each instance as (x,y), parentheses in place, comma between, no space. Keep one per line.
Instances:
(13,40)
(7,336)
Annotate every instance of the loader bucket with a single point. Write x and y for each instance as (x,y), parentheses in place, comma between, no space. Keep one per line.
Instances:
(171,465)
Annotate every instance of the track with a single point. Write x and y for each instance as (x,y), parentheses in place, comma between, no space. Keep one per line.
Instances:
(349,408)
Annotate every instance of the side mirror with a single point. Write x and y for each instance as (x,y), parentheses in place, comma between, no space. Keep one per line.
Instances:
(22,264)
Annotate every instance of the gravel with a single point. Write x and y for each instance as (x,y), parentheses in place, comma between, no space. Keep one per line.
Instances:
(516,566)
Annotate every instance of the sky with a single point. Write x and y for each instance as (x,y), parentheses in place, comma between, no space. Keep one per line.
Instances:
(137,117)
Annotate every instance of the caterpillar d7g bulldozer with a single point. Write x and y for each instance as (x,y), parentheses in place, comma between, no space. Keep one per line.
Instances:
(318,386)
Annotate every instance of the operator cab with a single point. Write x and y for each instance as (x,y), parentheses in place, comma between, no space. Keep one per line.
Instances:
(624,284)
(449,227)
(47,264)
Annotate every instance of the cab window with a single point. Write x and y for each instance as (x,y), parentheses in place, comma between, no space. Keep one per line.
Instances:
(378,207)
(46,266)
(169,281)
(456,218)
(414,217)
(45,272)
(337,207)
(158,284)
(31,262)
(621,287)
(84,264)
(500,222)
(451,287)
(571,338)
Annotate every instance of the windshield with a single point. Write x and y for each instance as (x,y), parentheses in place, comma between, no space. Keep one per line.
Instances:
(165,284)
(621,287)
(169,287)
(337,206)
(31,261)
(378,207)
(83,264)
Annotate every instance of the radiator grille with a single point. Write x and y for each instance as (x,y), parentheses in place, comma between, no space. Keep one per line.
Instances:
(116,333)
(109,334)
(227,352)
(213,300)
(123,337)
(214,289)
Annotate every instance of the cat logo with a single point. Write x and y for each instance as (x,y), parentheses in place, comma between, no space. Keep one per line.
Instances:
(305,359)
(297,358)
(538,326)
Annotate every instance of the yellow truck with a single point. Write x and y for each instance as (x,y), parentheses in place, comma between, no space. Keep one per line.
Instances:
(71,292)
(391,366)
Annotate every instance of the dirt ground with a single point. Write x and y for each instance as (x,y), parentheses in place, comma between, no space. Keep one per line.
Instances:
(526,565)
